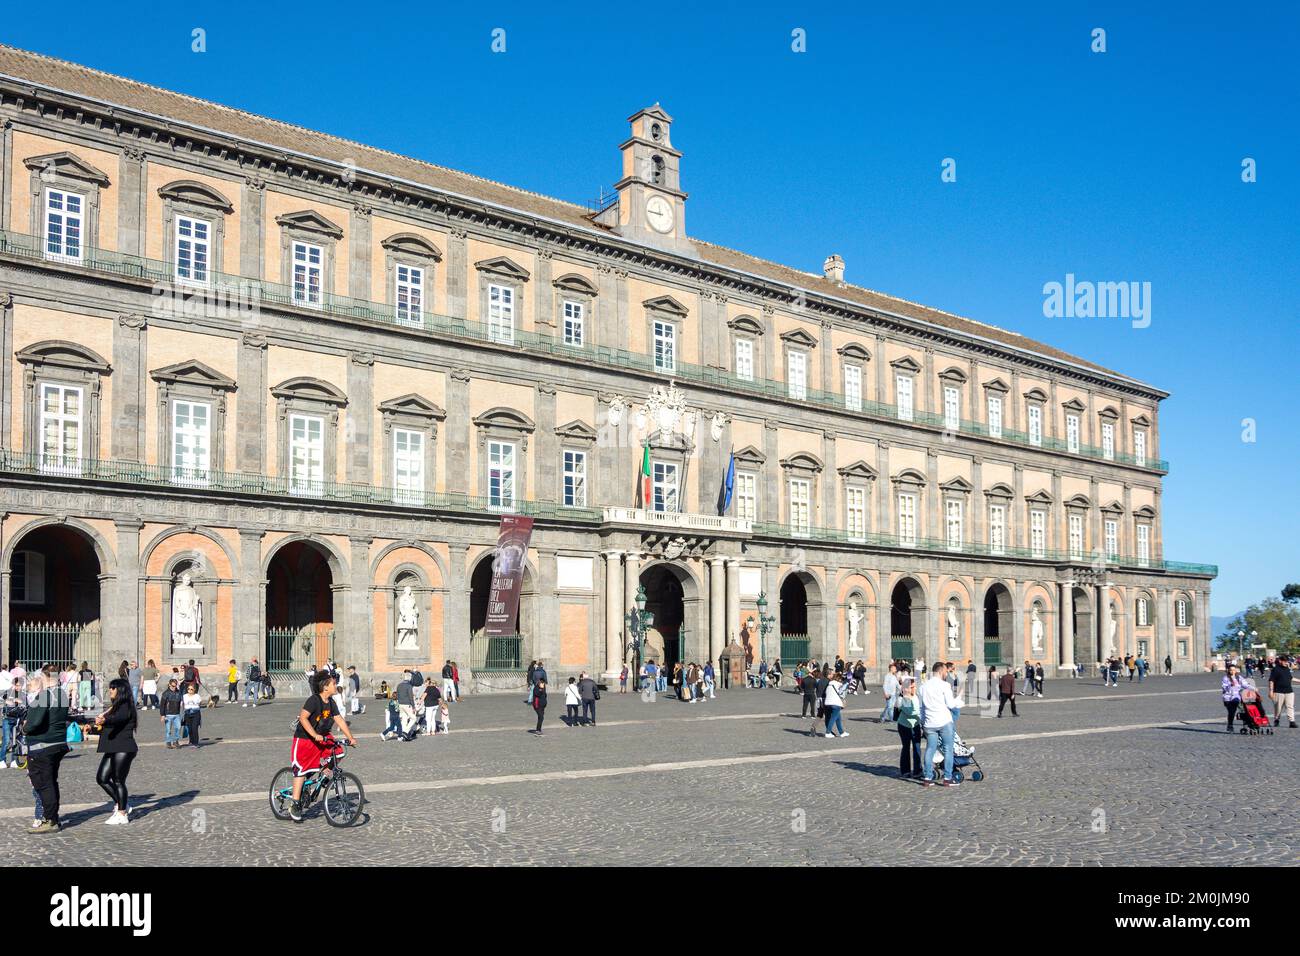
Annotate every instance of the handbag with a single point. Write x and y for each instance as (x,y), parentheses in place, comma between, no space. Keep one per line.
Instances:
(74,734)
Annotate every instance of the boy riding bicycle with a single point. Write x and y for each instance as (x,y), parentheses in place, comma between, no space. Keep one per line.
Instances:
(317,718)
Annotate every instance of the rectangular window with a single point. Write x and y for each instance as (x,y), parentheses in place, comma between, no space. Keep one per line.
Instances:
(997,529)
(953,525)
(907,519)
(1035,424)
(193,247)
(855,513)
(1182,648)
(853,387)
(1140,449)
(1144,544)
(575,317)
(903,393)
(27,584)
(1180,608)
(408,464)
(63,225)
(1108,441)
(306,453)
(800,506)
(501,314)
(663,475)
(745,359)
(797,375)
(1112,538)
(61,428)
(1072,434)
(308,274)
(951,408)
(1076,536)
(1143,618)
(409,295)
(665,336)
(995,416)
(575,479)
(1038,533)
(191,441)
(501,475)
(746,496)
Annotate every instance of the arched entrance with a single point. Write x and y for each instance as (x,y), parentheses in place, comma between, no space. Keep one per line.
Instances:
(906,620)
(1085,631)
(998,624)
(54,599)
(511,652)
(666,637)
(795,643)
(299,607)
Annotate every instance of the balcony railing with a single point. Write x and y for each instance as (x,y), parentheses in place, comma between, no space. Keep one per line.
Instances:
(682,521)
(224,287)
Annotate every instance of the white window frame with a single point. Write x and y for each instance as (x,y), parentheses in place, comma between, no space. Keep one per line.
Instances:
(665,484)
(32,572)
(1076,535)
(574,323)
(501,313)
(952,408)
(1072,434)
(1180,613)
(193,250)
(67,222)
(746,489)
(665,345)
(1110,527)
(997,529)
(903,397)
(800,506)
(954,525)
(907,507)
(1108,440)
(188,467)
(855,512)
(745,359)
(408,294)
(300,452)
(59,462)
(408,464)
(502,475)
(1034,424)
(1143,544)
(1140,448)
(573,490)
(304,270)
(853,387)
(796,374)
(1038,533)
(1142,612)
(995,416)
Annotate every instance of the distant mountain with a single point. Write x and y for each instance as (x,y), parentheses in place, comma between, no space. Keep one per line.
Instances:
(1219,624)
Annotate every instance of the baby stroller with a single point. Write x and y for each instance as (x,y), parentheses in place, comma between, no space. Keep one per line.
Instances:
(1253,718)
(963,755)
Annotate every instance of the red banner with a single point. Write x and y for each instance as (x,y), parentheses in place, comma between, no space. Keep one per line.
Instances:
(508,574)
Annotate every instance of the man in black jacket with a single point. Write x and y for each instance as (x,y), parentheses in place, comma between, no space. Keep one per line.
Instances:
(1280,688)
(588,692)
(808,684)
(47,744)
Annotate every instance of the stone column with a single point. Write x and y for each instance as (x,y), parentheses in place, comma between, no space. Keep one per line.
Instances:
(717,607)
(359,264)
(933,518)
(544,317)
(926,403)
(631,580)
(127,439)
(1127,533)
(1056,533)
(613,616)
(131,199)
(731,624)
(460,461)
(547,643)
(6,164)
(624,319)
(250,608)
(360,418)
(977,505)
(882,387)
(1201,630)
(546,464)
(359,638)
(457,274)
(7,374)
(250,406)
(884,492)
(251,239)
(1103,621)
(770,509)
(828,383)
(455,631)
(1018,513)
(1157,529)
(1094,519)
(606,318)
(1014,401)
(124,633)
(1065,611)
(829,484)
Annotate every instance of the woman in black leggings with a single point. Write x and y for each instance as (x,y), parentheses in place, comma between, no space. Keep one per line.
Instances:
(116,727)
(539,705)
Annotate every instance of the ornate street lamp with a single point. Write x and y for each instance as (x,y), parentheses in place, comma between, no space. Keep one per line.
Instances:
(765,624)
(638,620)
(1241,637)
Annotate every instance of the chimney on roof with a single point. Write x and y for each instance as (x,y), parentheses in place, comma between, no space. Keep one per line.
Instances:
(833,269)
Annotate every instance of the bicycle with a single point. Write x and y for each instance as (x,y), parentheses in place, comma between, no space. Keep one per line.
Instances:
(16,753)
(342,791)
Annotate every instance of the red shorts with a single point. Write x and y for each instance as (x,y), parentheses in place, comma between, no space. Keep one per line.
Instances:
(307,755)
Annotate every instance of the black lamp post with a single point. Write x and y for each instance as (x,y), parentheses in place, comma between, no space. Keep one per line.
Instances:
(638,619)
(765,624)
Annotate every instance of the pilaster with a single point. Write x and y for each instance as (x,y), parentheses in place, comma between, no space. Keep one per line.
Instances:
(127,440)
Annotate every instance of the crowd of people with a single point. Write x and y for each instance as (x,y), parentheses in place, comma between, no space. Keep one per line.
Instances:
(1279,673)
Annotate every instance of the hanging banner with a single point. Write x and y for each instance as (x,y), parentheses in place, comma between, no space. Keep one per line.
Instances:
(508,574)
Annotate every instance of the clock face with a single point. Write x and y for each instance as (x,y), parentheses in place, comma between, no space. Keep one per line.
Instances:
(659,213)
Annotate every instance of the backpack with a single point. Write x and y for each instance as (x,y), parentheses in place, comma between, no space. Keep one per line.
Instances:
(416,678)
(254,672)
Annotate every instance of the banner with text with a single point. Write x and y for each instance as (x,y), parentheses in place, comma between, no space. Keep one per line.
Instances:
(508,574)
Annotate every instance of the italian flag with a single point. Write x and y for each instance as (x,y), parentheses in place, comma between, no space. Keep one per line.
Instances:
(645,477)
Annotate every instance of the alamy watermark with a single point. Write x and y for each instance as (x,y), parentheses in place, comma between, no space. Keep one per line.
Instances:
(1084,299)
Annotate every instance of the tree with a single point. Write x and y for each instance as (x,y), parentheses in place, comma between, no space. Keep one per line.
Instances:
(1291,593)
(1277,624)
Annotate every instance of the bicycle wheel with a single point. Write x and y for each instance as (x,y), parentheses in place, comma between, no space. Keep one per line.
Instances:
(281,793)
(343,800)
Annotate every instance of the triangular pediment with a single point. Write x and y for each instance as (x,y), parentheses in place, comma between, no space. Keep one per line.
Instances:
(859,470)
(1141,420)
(996,385)
(1074,405)
(799,337)
(749,455)
(956,484)
(196,194)
(193,372)
(1113,508)
(576,431)
(67,165)
(666,303)
(905,364)
(1040,497)
(413,404)
(411,244)
(309,220)
(504,267)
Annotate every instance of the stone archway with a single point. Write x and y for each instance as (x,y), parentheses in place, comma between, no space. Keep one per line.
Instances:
(54,582)
(302,606)
(502,653)
(908,634)
(999,624)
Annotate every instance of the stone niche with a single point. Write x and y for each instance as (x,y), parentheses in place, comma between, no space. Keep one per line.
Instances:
(207,588)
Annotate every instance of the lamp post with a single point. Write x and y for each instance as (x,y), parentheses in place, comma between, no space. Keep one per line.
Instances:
(638,619)
(765,624)
(1241,637)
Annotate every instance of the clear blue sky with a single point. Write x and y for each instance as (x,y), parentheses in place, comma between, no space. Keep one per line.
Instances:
(1117,166)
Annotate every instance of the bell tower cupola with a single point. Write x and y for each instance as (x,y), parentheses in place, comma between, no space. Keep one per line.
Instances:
(651,204)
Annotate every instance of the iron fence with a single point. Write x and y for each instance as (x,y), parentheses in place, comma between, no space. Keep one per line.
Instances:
(497,654)
(291,650)
(795,648)
(900,648)
(35,643)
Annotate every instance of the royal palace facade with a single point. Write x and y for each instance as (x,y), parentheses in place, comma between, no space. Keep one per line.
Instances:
(298,375)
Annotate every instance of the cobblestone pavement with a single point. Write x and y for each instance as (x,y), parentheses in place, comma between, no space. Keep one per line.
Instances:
(1088,775)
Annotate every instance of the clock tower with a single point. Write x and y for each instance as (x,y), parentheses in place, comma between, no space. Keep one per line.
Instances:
(651,204)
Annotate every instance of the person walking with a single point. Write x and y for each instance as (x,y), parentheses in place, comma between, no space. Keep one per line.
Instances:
(909,730)
(1280,689)
(149,684)
(455,677)
(1038,678)
(539,705)
(46,728)
(589,693)
(622,680)
(1230,686)
(823,679)
(1169,666)
(232,682)
(406,704)
(890,691)
(833,707)
(808,684)
(937,705)
(117,748)
(135,677)
(1007,692)
(972,675)
(572,701)
(354,686)
(710,680)
(252,682)
(169,708)
(1028,687)
(191,705)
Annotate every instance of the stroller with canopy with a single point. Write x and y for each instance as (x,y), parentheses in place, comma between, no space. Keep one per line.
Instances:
(1253,719)
(963,755)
